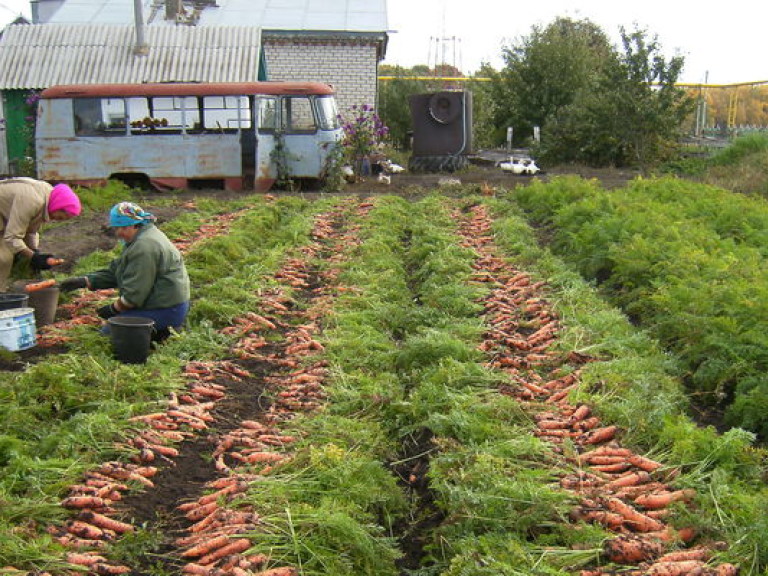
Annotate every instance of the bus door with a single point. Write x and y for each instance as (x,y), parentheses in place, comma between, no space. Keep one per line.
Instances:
(299,127)
(266,137)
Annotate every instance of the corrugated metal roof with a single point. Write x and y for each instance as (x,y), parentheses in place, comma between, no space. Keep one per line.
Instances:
(42,55)
(325,15)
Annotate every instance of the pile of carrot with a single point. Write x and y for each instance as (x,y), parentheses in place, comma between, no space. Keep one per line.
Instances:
(622,491)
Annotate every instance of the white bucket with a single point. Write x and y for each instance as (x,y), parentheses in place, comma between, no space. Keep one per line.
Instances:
(17,329)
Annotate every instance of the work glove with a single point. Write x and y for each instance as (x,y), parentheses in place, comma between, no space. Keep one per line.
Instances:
(39,261)
(107,312)
(71,284)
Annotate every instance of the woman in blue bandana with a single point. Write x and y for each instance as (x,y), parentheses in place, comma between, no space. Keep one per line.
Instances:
(149,274)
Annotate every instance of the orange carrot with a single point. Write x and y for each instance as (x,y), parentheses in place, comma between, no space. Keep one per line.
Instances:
(36,286)
(85,530)
(615,468)
(658,500)
(110,569)
(202,511)
(630,549)
(83,502)
(105,522)
(682,568)
(282,571)
(726,570)
(580,413)
(630,479)
(637,520)
(197,570)
(206,546)
(601,460)
(702,554)
(84,558)
(607,450)
(644,463)
(234,547)
(599,435)
(54,261)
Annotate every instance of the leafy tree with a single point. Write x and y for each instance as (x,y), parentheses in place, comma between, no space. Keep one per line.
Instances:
(630,115)
(544,72)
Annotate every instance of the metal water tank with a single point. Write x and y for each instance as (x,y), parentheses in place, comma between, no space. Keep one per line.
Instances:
(442,131)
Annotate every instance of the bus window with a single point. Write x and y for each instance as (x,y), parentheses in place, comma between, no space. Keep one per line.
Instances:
(327,114)
(298,116)
(267,114)
(226,113)
(99,116)
(174,113)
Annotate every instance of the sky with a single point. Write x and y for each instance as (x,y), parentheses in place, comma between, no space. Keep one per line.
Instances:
(722,43)
(720,46)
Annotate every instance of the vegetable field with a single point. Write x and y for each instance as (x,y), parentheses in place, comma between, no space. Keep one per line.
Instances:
(394,386)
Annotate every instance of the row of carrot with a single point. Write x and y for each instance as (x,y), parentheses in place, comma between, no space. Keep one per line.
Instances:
(622,491)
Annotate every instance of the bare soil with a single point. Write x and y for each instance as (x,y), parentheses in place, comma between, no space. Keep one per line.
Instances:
(76,238)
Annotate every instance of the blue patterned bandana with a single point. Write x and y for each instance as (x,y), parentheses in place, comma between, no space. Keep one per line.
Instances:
(128,214)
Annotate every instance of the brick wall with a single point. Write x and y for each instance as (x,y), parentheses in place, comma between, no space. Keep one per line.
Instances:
(350,66)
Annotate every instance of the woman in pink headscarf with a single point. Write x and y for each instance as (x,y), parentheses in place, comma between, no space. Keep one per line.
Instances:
(25,205)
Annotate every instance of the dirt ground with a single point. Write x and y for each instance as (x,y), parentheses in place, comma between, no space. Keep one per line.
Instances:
(76,238)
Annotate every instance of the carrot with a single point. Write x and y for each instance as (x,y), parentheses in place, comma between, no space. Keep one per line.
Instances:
(702,554)
(206,546)
(615,468)
(54,261)
(599,435)
(282,571)
(607,450)
(84,558)
(658,500)
(580,413)
(197,570)
(110,569)
(202,511)
(610,520)
(726,570)
(644,463)
(36,286)
(630,479)
(601,460)
(234,547)
(83,502)
(636,520)
(630,549)
(105,522)
(85,530)
(682,568)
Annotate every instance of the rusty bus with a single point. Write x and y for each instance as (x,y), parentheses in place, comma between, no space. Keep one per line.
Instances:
(179,135)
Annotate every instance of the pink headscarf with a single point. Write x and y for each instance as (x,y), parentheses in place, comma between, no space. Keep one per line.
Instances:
(62,198)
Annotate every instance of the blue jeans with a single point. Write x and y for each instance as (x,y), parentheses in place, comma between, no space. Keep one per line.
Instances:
(164,318)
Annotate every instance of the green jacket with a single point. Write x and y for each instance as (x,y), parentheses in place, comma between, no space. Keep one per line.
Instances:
(149,274)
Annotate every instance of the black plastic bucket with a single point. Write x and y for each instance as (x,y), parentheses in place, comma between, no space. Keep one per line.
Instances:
(11,301)
(45,302)
(131,337)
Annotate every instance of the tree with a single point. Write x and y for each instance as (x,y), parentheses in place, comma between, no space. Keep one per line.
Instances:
(630,115)
(544,72)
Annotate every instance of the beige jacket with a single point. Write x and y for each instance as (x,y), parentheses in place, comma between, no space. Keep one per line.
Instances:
(23,210)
